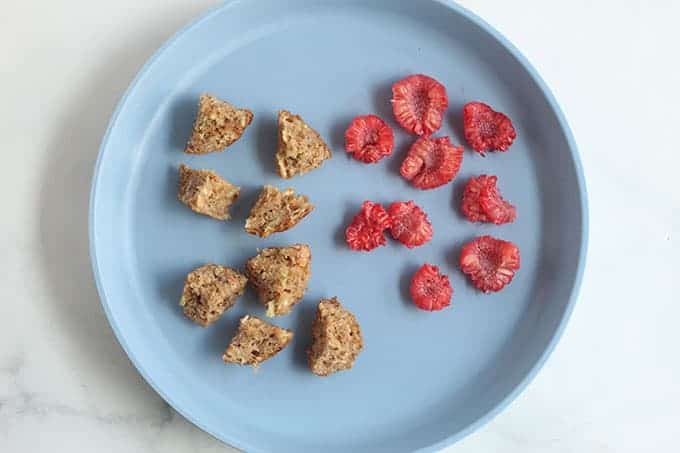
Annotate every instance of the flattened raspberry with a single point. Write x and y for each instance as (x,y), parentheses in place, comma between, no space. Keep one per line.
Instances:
(418,103)
(410,224)
(490,263)
(470,203)
(366,231)
(486,129)
(482,202)
(430,290)
(368,138)
(431,162)
(496,208)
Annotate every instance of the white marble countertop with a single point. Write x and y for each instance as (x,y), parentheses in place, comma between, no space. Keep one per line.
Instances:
(611,384)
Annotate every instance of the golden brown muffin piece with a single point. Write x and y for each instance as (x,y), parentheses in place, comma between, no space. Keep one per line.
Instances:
(301,148)
(336,339)
(276,211)
(210,290)
(255,342)
(280,275)
(218,124)
(206,193)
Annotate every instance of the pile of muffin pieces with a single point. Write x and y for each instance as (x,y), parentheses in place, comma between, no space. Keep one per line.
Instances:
(280,275)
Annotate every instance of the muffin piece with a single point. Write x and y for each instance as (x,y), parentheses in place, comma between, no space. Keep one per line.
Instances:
(206,193)
(301,148)
(280,276)
(255,342)
(276,211)
(336,339)
(209,291)
(218,124)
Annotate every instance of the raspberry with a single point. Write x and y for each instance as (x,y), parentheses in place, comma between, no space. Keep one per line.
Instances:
(430,290)
(366,231)
(482,202)
(410,225)
(486,129)
(368,138)
(418,103)
(489,262)
(431,163)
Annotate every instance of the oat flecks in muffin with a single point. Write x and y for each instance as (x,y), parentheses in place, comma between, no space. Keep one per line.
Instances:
(301,149)
(256,341)
(218,124)
(276,211)
(210,290)
(280,276)
(205,192)
(336,339)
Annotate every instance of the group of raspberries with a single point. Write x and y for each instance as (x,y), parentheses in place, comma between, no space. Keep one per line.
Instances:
(419,103)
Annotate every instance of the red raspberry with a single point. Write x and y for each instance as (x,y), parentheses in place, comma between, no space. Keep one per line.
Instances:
(489,262)
(430,290)
(482,202)
(418,103)
(486,129)
(366,231)
(368,138)
(431,162)
(410,224)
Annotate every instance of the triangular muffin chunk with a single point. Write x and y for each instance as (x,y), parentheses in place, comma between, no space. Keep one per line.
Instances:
(301,148)
(209,291)
(336,339)
(205,192)
(276,211)
(218,124)
(280,276)
(256,341)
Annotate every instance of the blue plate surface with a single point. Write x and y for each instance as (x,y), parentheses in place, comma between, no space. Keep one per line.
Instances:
(424,379)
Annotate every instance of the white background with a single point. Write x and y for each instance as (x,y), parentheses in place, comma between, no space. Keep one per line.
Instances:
(610,386)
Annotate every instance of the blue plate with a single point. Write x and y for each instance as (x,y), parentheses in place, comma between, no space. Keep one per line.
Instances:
(424,379)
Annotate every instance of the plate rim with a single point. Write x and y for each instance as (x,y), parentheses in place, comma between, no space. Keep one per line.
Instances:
(535,368)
